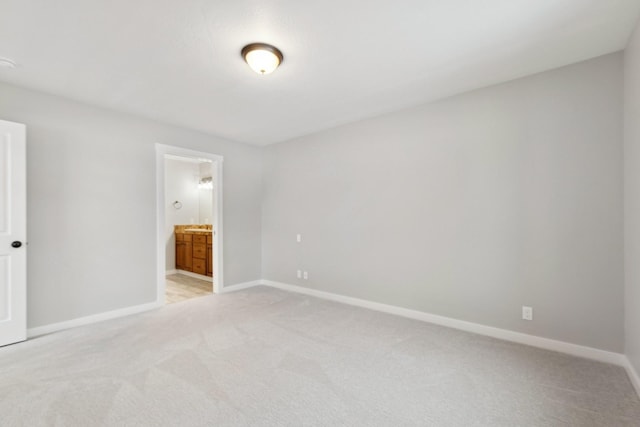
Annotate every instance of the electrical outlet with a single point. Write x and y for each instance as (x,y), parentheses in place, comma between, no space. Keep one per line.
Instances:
(305,275)
(527,313)
(298,238)
(299,274)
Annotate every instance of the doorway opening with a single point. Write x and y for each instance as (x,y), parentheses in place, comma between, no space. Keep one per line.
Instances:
(189,223)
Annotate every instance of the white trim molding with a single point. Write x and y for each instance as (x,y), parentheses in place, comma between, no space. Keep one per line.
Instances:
(218,245)
(503,334)
(633,375)
(240,286)
(122,312)
(94,318)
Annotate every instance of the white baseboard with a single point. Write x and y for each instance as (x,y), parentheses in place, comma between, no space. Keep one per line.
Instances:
(503,334)
(80,321)
(240,286)
(191,274)
(633,375)
(168,272)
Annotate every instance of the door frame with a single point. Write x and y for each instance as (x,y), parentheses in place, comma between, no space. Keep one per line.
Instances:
(218,278)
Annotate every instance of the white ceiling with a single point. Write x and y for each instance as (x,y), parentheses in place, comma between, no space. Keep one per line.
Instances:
(178,61)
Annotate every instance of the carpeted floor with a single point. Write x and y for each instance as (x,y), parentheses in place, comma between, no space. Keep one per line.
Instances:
(265,357)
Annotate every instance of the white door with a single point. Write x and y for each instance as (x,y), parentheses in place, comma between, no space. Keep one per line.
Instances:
(13,233)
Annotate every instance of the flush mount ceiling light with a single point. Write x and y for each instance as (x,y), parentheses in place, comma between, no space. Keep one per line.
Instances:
(206,183)
(261,57)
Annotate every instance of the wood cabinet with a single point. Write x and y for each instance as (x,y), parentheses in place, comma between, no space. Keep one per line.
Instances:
(194,252)
(210,255)
(184,252)
(200,254)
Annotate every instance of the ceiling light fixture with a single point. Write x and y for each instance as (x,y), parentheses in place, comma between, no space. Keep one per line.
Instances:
(7,63)
(261,57)
(206,183)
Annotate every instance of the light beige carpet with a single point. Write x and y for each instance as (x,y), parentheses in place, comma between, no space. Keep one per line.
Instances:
(264,357)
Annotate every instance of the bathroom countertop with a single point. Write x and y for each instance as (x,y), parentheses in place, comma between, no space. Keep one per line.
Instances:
(193,229)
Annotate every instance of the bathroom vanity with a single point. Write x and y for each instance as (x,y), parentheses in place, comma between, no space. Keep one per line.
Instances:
(194,249)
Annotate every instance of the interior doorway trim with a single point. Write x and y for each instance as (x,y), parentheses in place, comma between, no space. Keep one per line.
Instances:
(218,277)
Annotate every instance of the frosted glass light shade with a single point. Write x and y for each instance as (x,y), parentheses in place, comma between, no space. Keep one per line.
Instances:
(206,183)
(262,58)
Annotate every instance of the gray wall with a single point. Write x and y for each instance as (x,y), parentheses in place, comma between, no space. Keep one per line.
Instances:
(92,208)
(632,199)
(470,207)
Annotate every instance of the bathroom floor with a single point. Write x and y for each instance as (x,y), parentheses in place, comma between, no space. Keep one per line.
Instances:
(181,288)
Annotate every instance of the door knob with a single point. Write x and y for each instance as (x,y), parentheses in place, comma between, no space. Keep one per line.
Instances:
(16,244)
